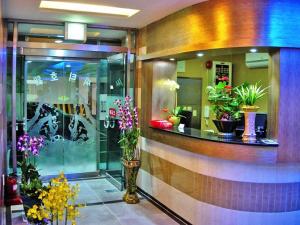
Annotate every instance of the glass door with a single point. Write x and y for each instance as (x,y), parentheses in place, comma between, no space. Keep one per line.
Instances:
(111,86)
(61,105)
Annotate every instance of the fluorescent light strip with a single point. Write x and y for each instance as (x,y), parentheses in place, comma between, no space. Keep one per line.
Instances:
(81,7)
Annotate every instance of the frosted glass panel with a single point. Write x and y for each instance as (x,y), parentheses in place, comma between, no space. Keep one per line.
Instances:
(62,106)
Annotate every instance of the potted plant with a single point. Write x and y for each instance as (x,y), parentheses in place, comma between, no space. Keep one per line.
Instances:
(174,116)
(130,132)
(225,106)
(57,203)
(31,184)
(248,95)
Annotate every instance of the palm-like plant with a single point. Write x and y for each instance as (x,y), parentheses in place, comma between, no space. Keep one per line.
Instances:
(249,94)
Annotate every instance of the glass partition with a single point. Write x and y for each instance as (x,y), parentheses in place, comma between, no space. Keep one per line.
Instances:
(111,86)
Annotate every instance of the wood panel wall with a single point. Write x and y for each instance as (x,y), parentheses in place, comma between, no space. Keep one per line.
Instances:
(224,24)
(289,106)
(232,23)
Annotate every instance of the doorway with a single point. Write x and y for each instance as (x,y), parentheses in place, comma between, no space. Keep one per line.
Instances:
(189,96)
(67,101)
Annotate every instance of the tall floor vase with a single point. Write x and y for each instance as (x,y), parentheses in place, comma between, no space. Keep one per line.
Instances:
(131,171)
(249,134)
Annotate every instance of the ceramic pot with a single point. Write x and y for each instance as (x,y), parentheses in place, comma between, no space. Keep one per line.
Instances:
(249,134)
(226,128)
(131,171)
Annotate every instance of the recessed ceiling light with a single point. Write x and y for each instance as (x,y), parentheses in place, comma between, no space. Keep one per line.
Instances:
(58,41)
(29,61)
(253,50)
(200,54)
(172,59)
(68,65)
(92,8)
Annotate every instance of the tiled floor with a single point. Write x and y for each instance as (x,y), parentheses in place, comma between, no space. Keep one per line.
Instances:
(104,207)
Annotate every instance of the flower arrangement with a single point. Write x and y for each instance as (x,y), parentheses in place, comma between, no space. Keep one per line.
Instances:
(128,124)
(31,147)
(57,203)
(174,115)
(224,101)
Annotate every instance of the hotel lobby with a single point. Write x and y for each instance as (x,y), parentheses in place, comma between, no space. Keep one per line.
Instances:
(149,112)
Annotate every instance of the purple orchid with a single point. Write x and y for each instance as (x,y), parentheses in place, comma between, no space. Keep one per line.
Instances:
(29,144)
(128,124)
(128,115)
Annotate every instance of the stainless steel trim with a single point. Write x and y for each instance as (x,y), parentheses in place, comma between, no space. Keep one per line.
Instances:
(3,112)
(75,47)
(63,53)
(9,20)
(80,47)
(46,58)
(62,24)
(128,39)
(14,96)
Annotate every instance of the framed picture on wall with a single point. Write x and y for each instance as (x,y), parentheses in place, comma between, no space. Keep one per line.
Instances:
(221,71)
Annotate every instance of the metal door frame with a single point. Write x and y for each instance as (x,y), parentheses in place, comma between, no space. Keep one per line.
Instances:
(61,50)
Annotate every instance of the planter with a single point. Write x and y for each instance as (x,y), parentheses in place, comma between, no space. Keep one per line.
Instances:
(249,134)
(175,120)
(29,202)
(131,171)
(226,128)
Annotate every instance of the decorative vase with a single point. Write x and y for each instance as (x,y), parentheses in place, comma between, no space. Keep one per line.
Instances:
(131,171)
(249,134)
(175,120)
(226,128)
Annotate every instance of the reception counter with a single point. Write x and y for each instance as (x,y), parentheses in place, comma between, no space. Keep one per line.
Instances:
(264,151)
(195,133)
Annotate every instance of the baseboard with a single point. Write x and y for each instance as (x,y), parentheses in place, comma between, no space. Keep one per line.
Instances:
(163,208)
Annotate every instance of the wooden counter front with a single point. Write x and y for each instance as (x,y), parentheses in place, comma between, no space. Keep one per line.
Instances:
(235,152)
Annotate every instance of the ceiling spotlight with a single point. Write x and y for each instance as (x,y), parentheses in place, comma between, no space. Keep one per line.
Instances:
(200,54)
(58,41)
(172,59)
(253,50)
(68,65)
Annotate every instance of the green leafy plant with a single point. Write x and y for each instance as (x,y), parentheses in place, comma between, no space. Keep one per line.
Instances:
(224,101)
(250,93)
(30,180)
(175,112)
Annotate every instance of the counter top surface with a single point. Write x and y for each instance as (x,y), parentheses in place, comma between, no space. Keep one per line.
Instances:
(195,133)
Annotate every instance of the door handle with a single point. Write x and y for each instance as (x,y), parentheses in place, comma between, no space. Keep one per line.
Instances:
(108,122)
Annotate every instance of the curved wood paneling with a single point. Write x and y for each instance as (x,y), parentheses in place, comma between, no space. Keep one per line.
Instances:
(224,24)
(236,195)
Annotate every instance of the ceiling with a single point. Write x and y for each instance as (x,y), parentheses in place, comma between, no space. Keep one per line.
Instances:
(150,11)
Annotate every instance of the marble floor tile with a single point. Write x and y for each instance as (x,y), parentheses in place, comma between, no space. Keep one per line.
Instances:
(97,193)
